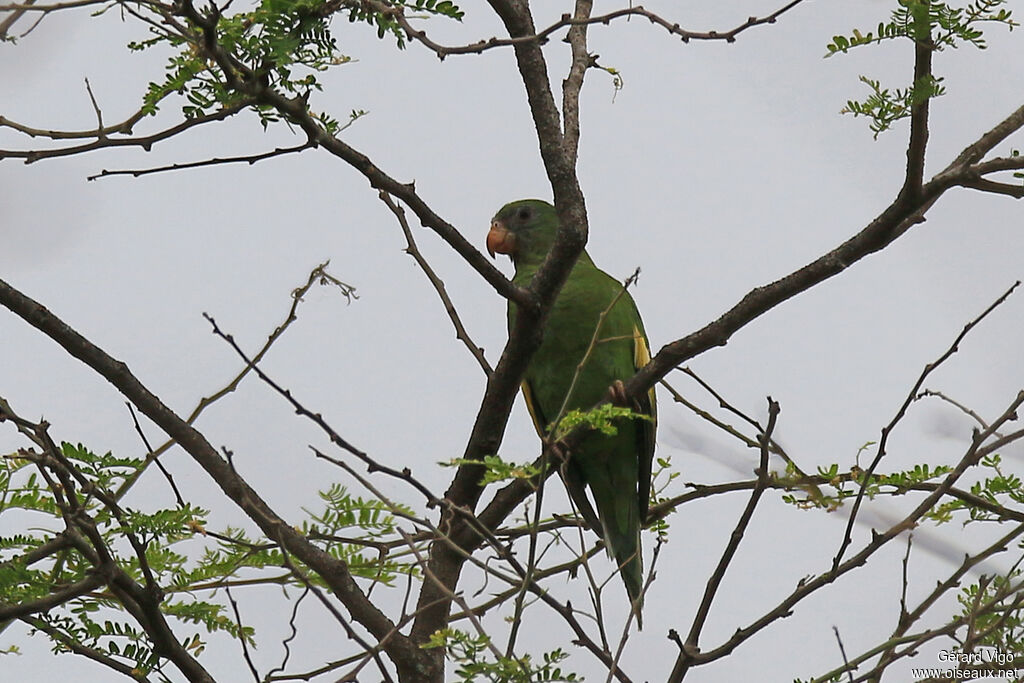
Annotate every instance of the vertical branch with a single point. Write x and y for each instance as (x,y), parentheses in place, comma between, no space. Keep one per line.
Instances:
(573,83)
(531,565)
(560,167)
(923,85)
(444,562)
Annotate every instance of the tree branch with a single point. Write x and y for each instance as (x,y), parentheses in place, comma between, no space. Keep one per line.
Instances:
(573,21)
(102,141)
(690,646)
(911,397)
(413,250)
(334,572)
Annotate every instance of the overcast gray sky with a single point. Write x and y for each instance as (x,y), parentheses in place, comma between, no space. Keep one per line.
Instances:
(717,168)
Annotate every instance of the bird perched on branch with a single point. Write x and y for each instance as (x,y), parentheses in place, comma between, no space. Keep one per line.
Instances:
(594,340)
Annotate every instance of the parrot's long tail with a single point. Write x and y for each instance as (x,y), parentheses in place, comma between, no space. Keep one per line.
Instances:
(618,509)
(620,522)
(625,548)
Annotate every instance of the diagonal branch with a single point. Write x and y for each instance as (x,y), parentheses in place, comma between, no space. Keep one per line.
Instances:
(690,647)
(334,572)
(892,223)
(413,250)
(89,652)
(911,397)
(318,274)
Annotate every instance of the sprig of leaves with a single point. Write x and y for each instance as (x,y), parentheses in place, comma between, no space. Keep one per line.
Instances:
(928,22)
(603,418)
(475,662)
(1001,627)
(916,19)
(496,469)
(285,44)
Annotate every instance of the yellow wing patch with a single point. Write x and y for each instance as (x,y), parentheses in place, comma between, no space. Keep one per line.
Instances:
(641,357)
(641,354)
(532,407)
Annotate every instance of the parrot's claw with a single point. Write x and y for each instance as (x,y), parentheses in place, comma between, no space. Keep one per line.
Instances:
(560,451)
(617,393)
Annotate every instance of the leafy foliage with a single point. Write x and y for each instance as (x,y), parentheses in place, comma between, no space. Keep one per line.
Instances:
(995,612)
(846,484)
(496,469)
(916,19)
(987,496)
(601,418)
(188,564)
(283,44)
(999,489)
(936,24)
(885,107)
(662,476)
(348,527)
(475,661)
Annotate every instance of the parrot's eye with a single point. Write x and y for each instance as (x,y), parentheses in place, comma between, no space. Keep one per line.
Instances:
(524,214)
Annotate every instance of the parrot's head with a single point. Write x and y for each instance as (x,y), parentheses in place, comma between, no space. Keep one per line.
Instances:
(523,229)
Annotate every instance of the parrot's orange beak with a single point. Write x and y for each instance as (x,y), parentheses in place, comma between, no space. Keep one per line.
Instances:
(500,239)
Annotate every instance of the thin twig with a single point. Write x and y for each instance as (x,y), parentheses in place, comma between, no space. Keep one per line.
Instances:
(319,275)
(413,250)
(887,430)
(242,639)
(214,161)
(691,645)
(566,20)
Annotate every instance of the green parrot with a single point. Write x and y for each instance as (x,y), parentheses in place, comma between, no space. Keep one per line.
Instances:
(616,468)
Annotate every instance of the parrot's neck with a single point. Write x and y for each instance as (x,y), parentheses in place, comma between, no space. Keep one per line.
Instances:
(526,268)
(532,261)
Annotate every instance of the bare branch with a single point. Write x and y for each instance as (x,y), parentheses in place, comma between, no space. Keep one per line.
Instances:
(102,142)
(878,539)
(887,430)
(993,187)
(573,83)
(918,143)
(334,572)
(976,151)
(959,406)
(215,161)
(241,638)
(576,20)
(899,217)
(691,646)
(318,274)
(413,250)
(337,439)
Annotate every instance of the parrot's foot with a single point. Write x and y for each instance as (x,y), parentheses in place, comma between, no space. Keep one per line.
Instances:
(617,393)
(560,451)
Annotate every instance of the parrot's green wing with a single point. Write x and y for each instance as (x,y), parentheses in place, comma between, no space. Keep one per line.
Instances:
(645,446)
